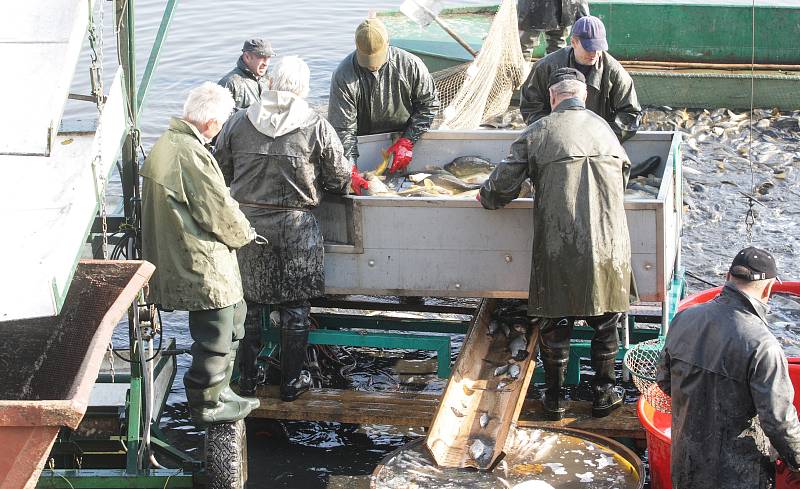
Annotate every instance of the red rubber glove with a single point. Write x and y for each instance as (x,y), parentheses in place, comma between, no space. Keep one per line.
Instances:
(401,150)
(357,182)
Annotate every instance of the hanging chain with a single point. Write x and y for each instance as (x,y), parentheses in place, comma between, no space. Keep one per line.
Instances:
(111,360)
(96,78)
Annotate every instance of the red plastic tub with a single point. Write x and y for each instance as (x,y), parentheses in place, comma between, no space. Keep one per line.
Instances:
(657,425)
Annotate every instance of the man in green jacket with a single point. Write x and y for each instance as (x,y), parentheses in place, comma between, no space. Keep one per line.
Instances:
(380,88)
(581,267)
(190,229)
(610,90)
(249,78)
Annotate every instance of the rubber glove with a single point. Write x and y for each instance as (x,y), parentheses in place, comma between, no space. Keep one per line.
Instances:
(357,182)
(401,150)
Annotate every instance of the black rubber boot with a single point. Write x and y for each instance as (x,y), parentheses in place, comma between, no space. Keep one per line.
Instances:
(249,349)
(294,339)
(606,396)
(554,346)
(228,394)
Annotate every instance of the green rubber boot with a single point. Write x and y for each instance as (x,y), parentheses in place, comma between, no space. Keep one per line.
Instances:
(228,394)
(206,406)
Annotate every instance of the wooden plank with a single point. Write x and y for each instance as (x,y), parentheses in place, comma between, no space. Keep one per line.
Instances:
(417,409)
(475,391)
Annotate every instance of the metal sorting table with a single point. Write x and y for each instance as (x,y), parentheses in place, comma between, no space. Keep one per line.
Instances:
(450,247)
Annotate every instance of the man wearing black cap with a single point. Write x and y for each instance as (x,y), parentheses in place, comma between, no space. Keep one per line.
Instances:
(730,386)
(611,94)
(249,78)
(380,88)
(581,248)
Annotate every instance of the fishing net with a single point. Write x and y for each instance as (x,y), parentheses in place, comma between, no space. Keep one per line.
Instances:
(473,92)
(642,361)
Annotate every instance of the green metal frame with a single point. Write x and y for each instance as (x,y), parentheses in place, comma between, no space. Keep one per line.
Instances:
(132,476)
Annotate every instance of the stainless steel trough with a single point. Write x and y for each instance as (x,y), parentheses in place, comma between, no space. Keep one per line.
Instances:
(448,247)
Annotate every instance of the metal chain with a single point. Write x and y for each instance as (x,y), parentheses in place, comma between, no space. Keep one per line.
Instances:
(96,74)
(111,360)
(750,216)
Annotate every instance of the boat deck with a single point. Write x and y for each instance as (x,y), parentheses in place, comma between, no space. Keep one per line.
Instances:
(418,408)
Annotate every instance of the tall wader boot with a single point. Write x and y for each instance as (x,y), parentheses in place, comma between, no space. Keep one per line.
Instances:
(607,397)
(227,394)
(554,347)
(249,349)
(294,339)
(207,377)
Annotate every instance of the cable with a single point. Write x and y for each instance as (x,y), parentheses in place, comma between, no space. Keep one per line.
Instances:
(750,218)
(700,279)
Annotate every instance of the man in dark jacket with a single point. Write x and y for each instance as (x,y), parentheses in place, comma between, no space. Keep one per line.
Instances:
(730,386)
(553,17)
(581,249)
(380,88)
(249,78)
(611,94)
(279,156)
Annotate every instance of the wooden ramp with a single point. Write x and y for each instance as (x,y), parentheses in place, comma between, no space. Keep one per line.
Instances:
(416,409)
(485,393)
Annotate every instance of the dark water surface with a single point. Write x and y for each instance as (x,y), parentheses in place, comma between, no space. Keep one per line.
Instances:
(203,44)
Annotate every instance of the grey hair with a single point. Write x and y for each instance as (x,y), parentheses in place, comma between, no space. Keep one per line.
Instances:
(206,102)
(291,74)
(569,88)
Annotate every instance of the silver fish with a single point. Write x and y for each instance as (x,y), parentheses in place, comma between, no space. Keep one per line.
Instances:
(493,327)
(501,370)
(467,166)
(514,371)
(519,348)
(484,420)
(457,412)
(480,451)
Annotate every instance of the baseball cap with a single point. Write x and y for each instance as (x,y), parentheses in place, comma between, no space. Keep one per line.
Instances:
(754,264)
(591,32)
(562,74)
(259,47)
(372,44)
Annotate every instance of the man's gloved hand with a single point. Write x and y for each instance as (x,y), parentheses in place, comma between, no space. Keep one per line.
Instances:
(401,150)
(357,182)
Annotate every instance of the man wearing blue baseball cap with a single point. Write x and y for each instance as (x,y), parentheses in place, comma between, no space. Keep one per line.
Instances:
(611,94)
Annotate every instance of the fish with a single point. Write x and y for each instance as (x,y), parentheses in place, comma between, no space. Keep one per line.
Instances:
(469,166)
(457,412)
(481,451)
(514,371)
(501,370)
(501,386)
(519,348)
(450,182)
(484,420)
(493,327)
(467,390)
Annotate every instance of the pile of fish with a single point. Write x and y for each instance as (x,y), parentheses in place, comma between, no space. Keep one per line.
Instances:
(535,459)
(462,179)
(719,146)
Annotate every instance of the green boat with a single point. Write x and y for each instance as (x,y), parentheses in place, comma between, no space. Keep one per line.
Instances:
(681,53)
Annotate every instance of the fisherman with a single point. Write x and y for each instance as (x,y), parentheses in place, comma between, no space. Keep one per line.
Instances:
(730,386)
(551,17)
(279,156)
(581,250)
(611,94)
(380,88)
(249,78)
(190,229)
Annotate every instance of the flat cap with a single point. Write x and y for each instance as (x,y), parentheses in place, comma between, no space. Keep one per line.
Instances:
(562,74)
(259,47)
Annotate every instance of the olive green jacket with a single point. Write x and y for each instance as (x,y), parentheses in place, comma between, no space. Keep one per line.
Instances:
(609,91)
(190,224)
(581,248)
(400,97)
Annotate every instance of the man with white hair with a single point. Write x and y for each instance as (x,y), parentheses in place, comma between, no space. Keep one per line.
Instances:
(190,229)
(279,156)
(581,249)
